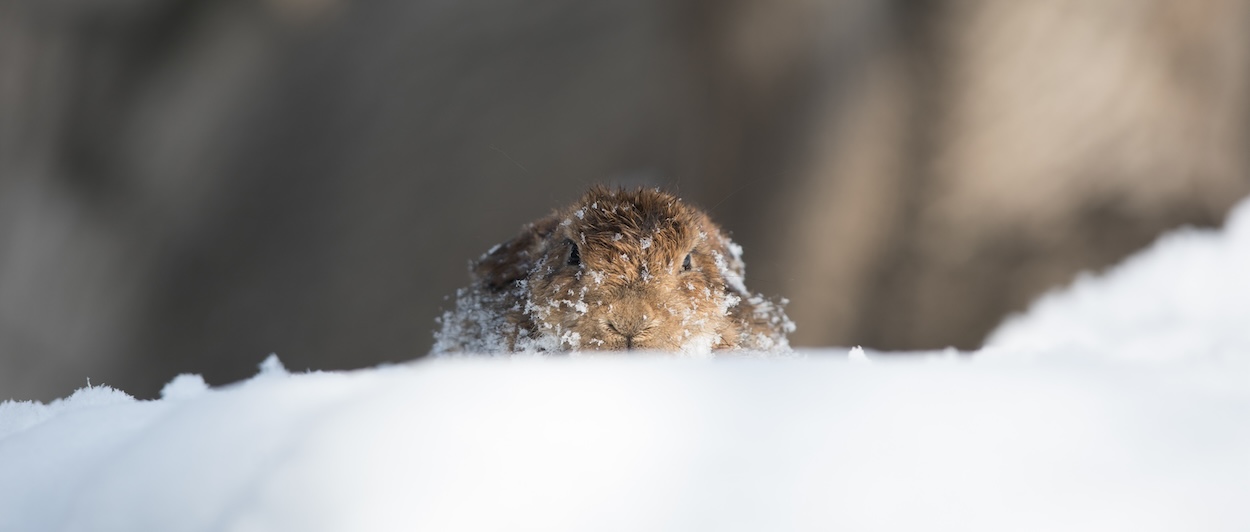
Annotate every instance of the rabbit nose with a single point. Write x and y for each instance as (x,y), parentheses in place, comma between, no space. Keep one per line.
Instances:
(628,328)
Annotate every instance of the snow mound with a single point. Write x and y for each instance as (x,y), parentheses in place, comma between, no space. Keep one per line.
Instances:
(642,443)
(16,416)
(1187,297)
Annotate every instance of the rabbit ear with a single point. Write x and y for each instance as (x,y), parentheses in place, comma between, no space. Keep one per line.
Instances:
(731,253)
(513,260)
(733,256)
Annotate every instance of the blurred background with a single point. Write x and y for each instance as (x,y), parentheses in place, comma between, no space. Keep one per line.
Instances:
(189,185)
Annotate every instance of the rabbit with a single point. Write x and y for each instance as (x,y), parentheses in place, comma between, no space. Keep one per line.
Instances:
(618,270)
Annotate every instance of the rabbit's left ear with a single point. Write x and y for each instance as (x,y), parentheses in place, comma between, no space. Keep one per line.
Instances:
(512,261)
(729,251)
(733,258)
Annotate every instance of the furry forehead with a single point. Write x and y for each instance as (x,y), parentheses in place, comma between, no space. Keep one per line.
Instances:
(604,213)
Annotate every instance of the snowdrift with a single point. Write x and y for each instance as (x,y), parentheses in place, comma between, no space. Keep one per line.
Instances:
(642,444)
(1120,403)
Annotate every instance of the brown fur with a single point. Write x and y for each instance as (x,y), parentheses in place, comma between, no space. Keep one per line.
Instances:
(630,290)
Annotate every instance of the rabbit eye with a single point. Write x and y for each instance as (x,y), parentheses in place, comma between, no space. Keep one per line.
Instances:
(575,258)
(685,264)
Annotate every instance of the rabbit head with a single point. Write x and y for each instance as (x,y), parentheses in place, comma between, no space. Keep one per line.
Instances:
(621,269)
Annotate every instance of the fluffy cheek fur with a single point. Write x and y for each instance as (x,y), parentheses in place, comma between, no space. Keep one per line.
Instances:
(589,310)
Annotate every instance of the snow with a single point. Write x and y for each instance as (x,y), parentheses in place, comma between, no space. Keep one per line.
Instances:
(615,443)
(1119,403)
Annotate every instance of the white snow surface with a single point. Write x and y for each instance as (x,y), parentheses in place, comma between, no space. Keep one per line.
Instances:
(1119,403)
(644,443)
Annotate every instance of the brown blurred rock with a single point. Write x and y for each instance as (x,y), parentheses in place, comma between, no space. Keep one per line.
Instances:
(1004,148)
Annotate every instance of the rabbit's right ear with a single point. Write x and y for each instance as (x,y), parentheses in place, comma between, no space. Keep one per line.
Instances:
(512,261)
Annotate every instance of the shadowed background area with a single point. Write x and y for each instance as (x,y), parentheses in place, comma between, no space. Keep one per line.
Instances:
(189,185)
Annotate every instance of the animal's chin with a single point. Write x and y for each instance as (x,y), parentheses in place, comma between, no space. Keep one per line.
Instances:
(702,345)
(620,344)
(595,341)
(663,338)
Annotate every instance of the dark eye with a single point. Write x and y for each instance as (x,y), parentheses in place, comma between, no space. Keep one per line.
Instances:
(685,264)
(575,259)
